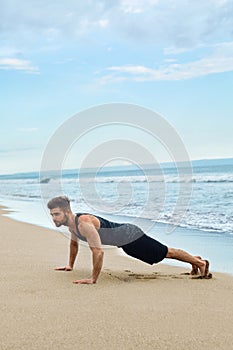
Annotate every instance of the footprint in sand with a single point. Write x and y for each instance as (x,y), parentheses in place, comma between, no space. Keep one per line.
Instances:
(130,276)
(144,277)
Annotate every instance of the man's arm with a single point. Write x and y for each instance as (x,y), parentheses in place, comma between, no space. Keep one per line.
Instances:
(73,252)
(72,256)
(88,230)
(97,260)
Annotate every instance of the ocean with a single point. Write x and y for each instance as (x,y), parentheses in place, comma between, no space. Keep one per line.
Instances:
(193,213)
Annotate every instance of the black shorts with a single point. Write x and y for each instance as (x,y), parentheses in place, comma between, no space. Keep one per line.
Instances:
(146,249)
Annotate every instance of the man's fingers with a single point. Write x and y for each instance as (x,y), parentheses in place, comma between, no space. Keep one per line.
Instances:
(83,281)
(64,268)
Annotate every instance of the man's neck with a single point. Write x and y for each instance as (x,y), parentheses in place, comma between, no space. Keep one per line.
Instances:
(71,222)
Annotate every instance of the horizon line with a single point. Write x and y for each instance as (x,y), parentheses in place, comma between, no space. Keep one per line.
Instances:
(117,166)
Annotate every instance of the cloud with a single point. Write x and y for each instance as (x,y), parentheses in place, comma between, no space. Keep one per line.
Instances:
(131,6)
(32,24)
(18,64)
(28,129)
(173,27)
(103,23)
(177,23)
(218,62)
(46,21)
(6,151)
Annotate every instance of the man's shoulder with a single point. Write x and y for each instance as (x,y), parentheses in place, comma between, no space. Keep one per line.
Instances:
(84,216)
(88,218)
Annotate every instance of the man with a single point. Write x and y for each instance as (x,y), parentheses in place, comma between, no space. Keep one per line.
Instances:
(97,231)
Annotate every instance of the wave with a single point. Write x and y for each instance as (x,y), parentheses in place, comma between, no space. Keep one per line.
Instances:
(168,220)
(166,179)
(160,178)
(25,196)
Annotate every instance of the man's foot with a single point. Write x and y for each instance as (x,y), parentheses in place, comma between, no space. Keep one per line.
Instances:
(194,270)
(204,270)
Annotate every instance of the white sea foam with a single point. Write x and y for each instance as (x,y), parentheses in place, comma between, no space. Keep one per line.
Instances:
(127,194)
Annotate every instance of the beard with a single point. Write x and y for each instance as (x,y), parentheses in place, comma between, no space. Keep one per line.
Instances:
(64,222)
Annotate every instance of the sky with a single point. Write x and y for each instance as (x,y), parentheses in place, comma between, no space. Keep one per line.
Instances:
(58,58)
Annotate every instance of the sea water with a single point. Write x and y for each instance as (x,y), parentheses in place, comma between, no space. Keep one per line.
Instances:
(123,194)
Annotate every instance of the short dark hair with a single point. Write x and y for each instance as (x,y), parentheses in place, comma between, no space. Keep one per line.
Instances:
(62,202)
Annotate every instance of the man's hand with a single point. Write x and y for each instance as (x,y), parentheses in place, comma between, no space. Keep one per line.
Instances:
(84,281)
(64,268)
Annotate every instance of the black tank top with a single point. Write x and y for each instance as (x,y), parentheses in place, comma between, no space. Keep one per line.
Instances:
(113,233)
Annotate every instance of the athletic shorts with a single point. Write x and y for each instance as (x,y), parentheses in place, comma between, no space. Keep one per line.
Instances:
(146,249)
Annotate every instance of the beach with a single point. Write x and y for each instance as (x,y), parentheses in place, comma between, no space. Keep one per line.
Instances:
(132,306)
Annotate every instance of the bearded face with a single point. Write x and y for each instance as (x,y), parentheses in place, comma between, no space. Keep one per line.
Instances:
(59,217)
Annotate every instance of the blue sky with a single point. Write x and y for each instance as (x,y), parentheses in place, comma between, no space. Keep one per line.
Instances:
(58,58)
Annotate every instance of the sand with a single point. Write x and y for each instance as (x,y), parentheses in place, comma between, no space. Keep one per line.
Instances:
(133,305)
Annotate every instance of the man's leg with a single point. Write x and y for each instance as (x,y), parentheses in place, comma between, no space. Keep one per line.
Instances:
(194,270)
(181,255)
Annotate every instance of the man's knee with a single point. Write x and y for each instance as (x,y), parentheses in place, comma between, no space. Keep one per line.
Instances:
(171,253)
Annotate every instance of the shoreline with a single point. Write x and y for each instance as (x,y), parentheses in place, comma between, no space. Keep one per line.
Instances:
(217,248)
(132,306)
